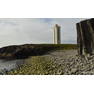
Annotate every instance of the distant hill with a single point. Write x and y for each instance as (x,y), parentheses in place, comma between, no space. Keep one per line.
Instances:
(26,50)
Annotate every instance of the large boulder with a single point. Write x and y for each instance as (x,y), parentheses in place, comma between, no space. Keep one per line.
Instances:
(85,37)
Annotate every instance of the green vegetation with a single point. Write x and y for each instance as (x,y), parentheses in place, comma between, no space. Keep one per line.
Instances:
(38,65)
(42,65)
(60,46)
(26,50)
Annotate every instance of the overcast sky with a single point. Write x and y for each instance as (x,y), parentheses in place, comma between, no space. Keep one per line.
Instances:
(35,30)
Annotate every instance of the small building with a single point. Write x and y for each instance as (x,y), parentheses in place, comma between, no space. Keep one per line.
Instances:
(57,35)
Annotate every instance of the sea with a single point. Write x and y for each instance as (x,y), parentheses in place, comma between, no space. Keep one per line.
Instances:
(7,65)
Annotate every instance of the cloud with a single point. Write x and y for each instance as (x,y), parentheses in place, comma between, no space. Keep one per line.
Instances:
(30,30)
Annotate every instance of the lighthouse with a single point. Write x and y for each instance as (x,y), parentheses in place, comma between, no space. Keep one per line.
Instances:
(57,35)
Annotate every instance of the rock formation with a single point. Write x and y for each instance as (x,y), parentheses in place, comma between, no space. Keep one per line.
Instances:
(85,37)
(26,50)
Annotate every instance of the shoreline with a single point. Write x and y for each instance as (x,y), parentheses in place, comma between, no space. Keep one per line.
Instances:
(8,65)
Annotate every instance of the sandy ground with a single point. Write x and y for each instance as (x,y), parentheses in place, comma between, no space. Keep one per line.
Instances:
(62,55)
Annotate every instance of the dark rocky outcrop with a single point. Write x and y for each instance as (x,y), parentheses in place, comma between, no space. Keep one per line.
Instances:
(85,37)
(26,50)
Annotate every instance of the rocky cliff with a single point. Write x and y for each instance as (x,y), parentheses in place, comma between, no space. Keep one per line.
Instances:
(26,50)
(85,37)
(23,51)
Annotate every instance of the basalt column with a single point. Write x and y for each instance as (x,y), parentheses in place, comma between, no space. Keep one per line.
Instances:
(85,37)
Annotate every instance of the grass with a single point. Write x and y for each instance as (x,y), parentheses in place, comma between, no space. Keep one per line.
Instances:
(61,46)
(38,65)
(26,50)
(42,65)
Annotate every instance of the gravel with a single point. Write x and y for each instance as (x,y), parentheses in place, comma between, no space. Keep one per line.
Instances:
(68,60)
(72,63)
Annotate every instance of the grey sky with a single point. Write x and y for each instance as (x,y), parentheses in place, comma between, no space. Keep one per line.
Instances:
(35,30)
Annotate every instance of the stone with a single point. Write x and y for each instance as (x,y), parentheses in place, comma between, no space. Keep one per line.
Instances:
(85,37)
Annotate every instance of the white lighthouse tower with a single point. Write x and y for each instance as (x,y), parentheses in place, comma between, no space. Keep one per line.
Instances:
(57,35)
